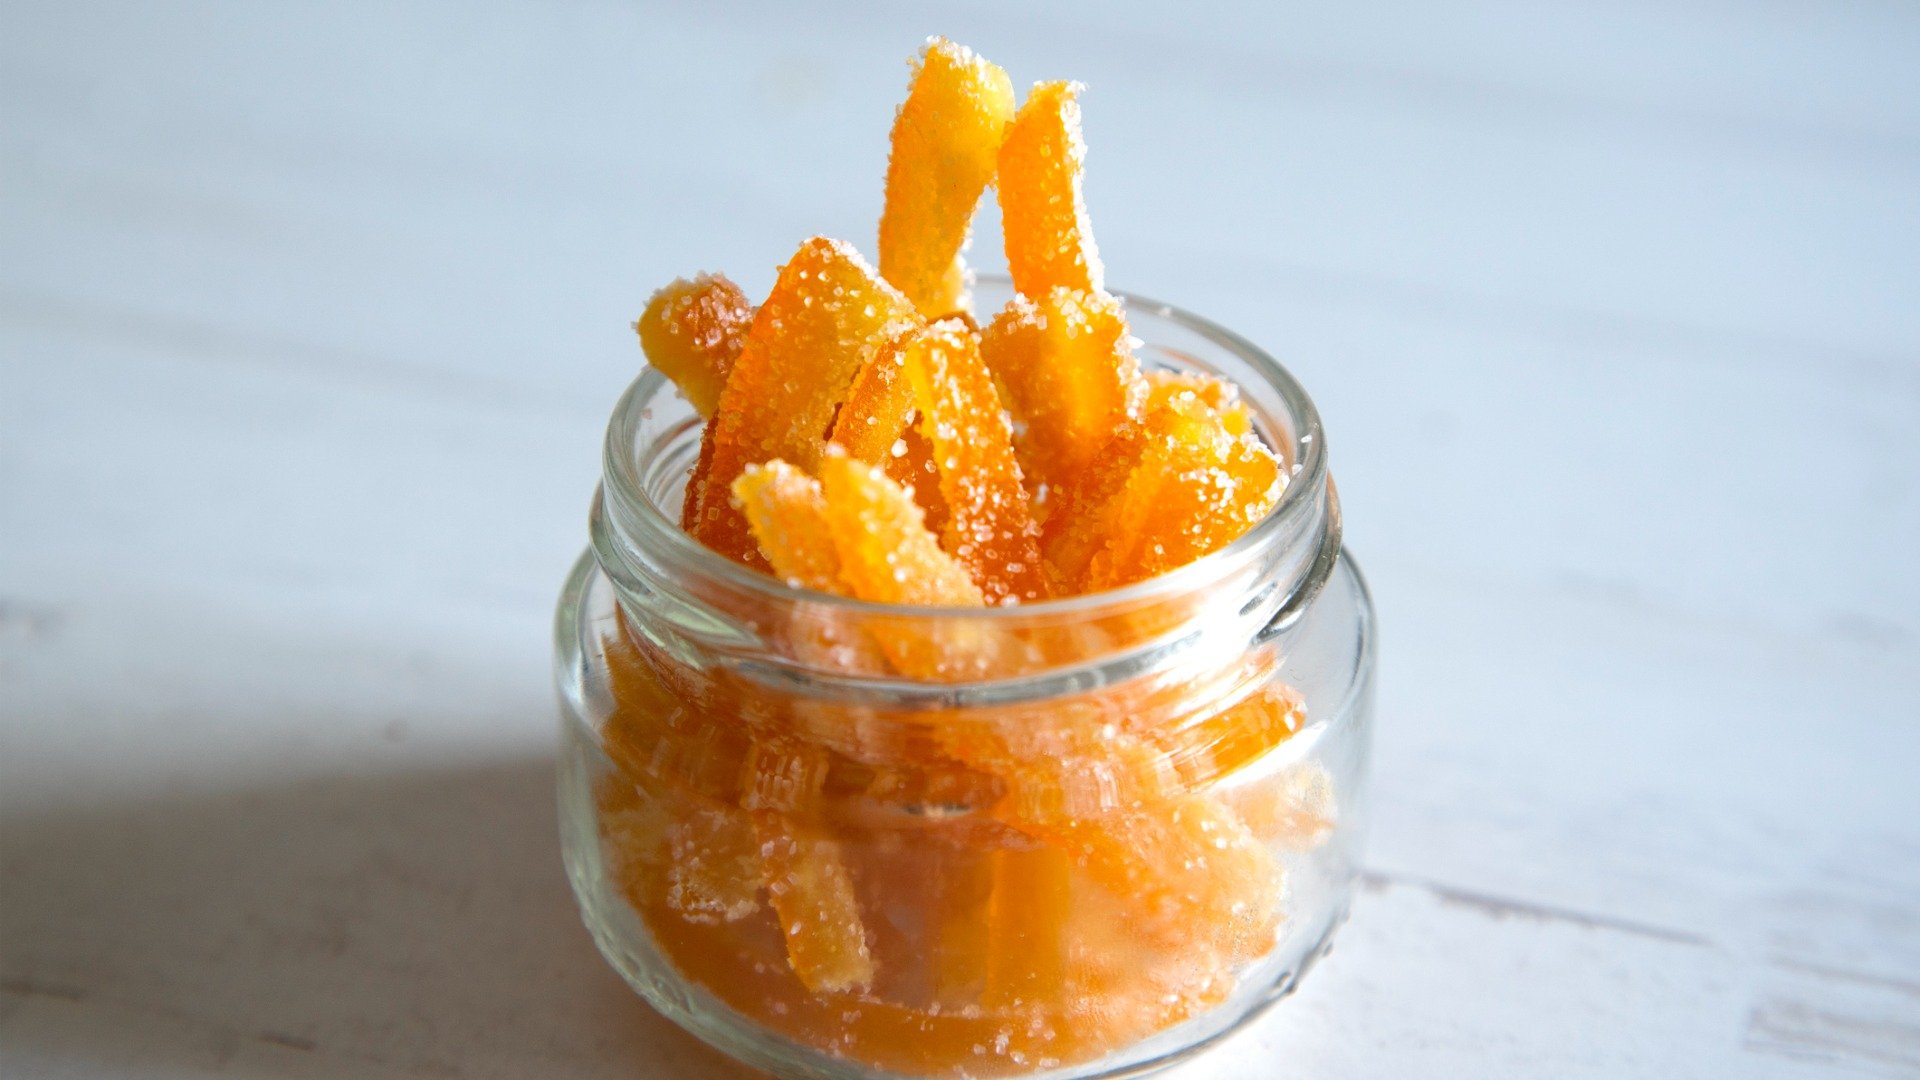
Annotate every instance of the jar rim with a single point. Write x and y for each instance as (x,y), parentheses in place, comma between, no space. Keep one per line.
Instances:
(660,533)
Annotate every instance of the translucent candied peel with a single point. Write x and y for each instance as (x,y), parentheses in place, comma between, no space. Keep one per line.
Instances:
(1078,523)
(1067,365)
(1065,770)
(811,889)
(946,141)
(876,425)
(692,331)
(658,732)
(713,865)
(1042,209)
(828,312)
(1190,871)
(1195,489)
(1211,748)
(886,553)
(784,774)
(990,528)
(879,404)
(788,516)
(1215,393)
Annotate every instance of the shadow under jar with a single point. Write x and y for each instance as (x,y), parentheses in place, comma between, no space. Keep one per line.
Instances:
(1107,832)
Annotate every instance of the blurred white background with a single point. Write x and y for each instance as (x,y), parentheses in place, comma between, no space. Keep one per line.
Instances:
(310,318)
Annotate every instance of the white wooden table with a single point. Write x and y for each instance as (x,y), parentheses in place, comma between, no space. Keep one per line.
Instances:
(310,319)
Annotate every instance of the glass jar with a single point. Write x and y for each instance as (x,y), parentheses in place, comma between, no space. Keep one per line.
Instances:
(1077,838)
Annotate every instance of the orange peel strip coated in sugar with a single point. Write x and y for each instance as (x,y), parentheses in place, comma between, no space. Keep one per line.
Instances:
(827,314)
(811,890)
(788,516)
(876,426)
(1196,489)
(1065,361)
(692,331)
(1043,211)
(1215,393)
(990,527)
(887,555)
(946,142)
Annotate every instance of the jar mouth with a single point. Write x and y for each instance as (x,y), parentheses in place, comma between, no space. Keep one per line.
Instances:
(1283,415)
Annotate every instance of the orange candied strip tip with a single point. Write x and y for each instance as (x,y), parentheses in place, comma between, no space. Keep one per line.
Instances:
(692,332)
(1043,211)
(1076,527)
(1066,363)
(1215,393)
(888,556)
(875,425)
(990,527)
(1195,490)
(946,140)
(788,516)
(811,890)
(886,553)
(827,314)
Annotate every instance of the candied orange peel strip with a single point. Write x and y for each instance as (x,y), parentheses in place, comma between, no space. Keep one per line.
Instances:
(876,426)
(1066,363)
(788,516)
(827,314)
(887,555)
(1042,209)
(1121,991)
(811,889)
(692,331)
(1077,525)
(946,140)
(713,865)
(990,527)
(1195,489)
(1295,810)
(1215,393)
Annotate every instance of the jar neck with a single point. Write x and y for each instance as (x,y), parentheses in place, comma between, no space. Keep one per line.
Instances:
(710,613)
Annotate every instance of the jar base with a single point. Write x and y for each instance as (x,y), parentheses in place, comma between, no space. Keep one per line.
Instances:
(622,938)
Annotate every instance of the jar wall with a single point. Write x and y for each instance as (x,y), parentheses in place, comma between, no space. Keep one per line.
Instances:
(878,911)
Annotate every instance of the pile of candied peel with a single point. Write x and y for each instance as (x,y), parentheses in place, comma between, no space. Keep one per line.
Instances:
(861,425)
(1066,881)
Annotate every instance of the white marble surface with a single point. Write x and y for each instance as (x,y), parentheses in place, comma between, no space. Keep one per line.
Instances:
(310,318)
